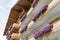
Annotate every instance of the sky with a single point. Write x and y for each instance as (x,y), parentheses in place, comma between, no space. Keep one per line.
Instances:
(5,7)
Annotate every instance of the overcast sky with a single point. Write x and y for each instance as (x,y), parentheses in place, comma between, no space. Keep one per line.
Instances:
(5,6)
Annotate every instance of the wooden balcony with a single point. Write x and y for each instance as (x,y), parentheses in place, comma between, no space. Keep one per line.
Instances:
(15,36)
(20,8)
(14,28)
